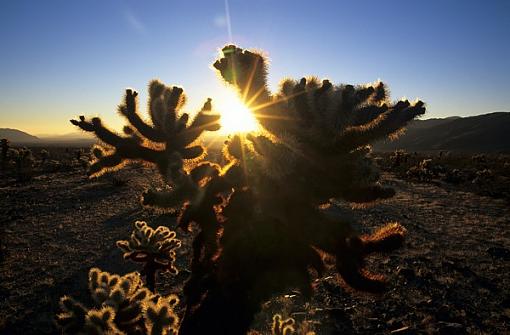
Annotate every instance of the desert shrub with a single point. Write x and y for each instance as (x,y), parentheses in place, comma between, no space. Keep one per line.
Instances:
(423,171)
(479,159)
(399,157)
(261,227)
(454,176)
(52,166)
(484,179)
(78,154)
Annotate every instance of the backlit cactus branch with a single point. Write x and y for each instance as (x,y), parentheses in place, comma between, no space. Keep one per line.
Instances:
(164,143)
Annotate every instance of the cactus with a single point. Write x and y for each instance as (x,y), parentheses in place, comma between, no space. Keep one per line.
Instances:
(4,144)
(261,224)
(153,247)
(123,306)
(44,154)
(398,157)
(24,163)
(282,327)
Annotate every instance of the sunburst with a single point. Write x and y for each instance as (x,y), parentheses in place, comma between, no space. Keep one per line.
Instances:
(236,116)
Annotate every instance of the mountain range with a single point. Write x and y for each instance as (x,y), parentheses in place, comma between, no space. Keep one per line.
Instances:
(18,137)
(481,133)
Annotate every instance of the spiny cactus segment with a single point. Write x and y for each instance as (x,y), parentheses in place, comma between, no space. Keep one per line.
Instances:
(155,248)
(281,326)
(123,306)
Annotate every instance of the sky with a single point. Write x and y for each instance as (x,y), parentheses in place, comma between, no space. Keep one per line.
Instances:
(60,59)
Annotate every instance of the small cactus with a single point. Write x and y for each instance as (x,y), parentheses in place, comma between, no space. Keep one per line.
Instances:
(4,146)
(160,319)
(44,154)
(24,163)
(123,306)
(281,326)
(155,248)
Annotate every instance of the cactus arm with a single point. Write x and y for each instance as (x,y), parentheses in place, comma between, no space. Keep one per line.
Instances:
(383,126)
(129,110)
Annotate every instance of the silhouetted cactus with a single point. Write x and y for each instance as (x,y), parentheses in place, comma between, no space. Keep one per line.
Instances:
(262,227)
(24,161)
(44,154)
(399,157)
(454,176)
(4,146)
(155,248)
(78,154)
(123,306)
(426,170)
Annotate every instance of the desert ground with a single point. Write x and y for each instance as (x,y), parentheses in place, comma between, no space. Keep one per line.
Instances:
(452,277)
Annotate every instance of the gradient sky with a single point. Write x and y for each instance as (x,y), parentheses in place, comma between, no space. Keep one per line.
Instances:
(59,59)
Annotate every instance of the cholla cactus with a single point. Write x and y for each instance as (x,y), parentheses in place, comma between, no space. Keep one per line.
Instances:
(153,247)
(124,306)
(4,146)
(262,227)
(398,157)
(282,327)
(44,154)
(166,142)
(24,163)
(426,170)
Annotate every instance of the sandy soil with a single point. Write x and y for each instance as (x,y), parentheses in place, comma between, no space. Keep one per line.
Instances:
(453,277)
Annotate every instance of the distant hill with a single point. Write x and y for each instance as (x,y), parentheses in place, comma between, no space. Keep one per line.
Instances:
(482,133)
(18,136)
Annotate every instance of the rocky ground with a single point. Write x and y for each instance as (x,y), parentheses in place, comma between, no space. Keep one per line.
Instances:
(453,276)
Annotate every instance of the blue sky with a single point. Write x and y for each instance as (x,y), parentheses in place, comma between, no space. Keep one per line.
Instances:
(60,59)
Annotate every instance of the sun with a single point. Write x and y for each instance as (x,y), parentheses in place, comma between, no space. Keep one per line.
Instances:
(236,117)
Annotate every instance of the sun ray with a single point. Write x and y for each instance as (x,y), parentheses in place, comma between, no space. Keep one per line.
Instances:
(272,102)
(248,84)
(256,95)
